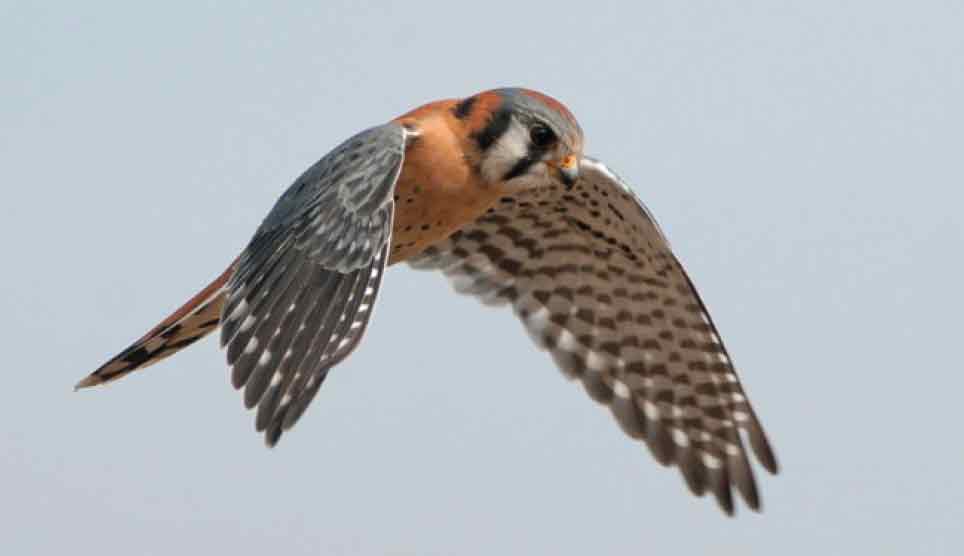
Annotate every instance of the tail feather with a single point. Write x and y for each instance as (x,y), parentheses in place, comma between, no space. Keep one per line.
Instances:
(197,318)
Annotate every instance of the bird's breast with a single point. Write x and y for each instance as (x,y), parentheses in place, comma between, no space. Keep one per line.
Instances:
(438,191)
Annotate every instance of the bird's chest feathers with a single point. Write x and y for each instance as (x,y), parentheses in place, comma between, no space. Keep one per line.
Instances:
(437,192)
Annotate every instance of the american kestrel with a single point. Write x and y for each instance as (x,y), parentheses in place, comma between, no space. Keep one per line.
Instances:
(494,191)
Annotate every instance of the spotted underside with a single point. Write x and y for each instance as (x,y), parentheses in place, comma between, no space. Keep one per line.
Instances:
(595,282)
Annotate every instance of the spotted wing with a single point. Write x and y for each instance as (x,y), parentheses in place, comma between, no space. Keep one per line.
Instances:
(304,287)
(594,281)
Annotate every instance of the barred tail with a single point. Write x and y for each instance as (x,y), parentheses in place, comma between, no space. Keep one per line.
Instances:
(197,318)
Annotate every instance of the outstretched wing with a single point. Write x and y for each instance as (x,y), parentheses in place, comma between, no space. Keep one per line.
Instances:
(305,285)
(594,281)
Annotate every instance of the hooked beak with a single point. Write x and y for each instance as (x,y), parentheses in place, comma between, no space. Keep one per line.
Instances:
(568,169)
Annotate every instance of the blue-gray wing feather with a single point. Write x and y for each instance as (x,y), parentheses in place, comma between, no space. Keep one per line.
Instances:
(304,287)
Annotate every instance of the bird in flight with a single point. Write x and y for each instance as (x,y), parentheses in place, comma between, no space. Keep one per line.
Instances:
(493,190)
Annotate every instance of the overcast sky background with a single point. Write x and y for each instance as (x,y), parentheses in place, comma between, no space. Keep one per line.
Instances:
(806,162)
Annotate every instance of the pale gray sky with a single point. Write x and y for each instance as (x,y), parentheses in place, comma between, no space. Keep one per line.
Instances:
(805,161)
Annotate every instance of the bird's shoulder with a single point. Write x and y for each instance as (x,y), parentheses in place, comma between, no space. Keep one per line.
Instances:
(362,161)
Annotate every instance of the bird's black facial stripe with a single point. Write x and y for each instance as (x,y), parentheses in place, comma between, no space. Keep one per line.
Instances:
(534,154)
(522,166)
(496,127)
(463,109)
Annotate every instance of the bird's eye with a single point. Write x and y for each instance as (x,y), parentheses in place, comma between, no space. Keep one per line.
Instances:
(541,136)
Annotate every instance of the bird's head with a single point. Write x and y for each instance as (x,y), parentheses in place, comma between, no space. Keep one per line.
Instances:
(523,137)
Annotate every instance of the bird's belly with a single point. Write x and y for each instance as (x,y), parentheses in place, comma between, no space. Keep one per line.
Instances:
(427,213)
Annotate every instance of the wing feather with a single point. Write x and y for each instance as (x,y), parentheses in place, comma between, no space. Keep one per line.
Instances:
(594,281)
(304,287)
